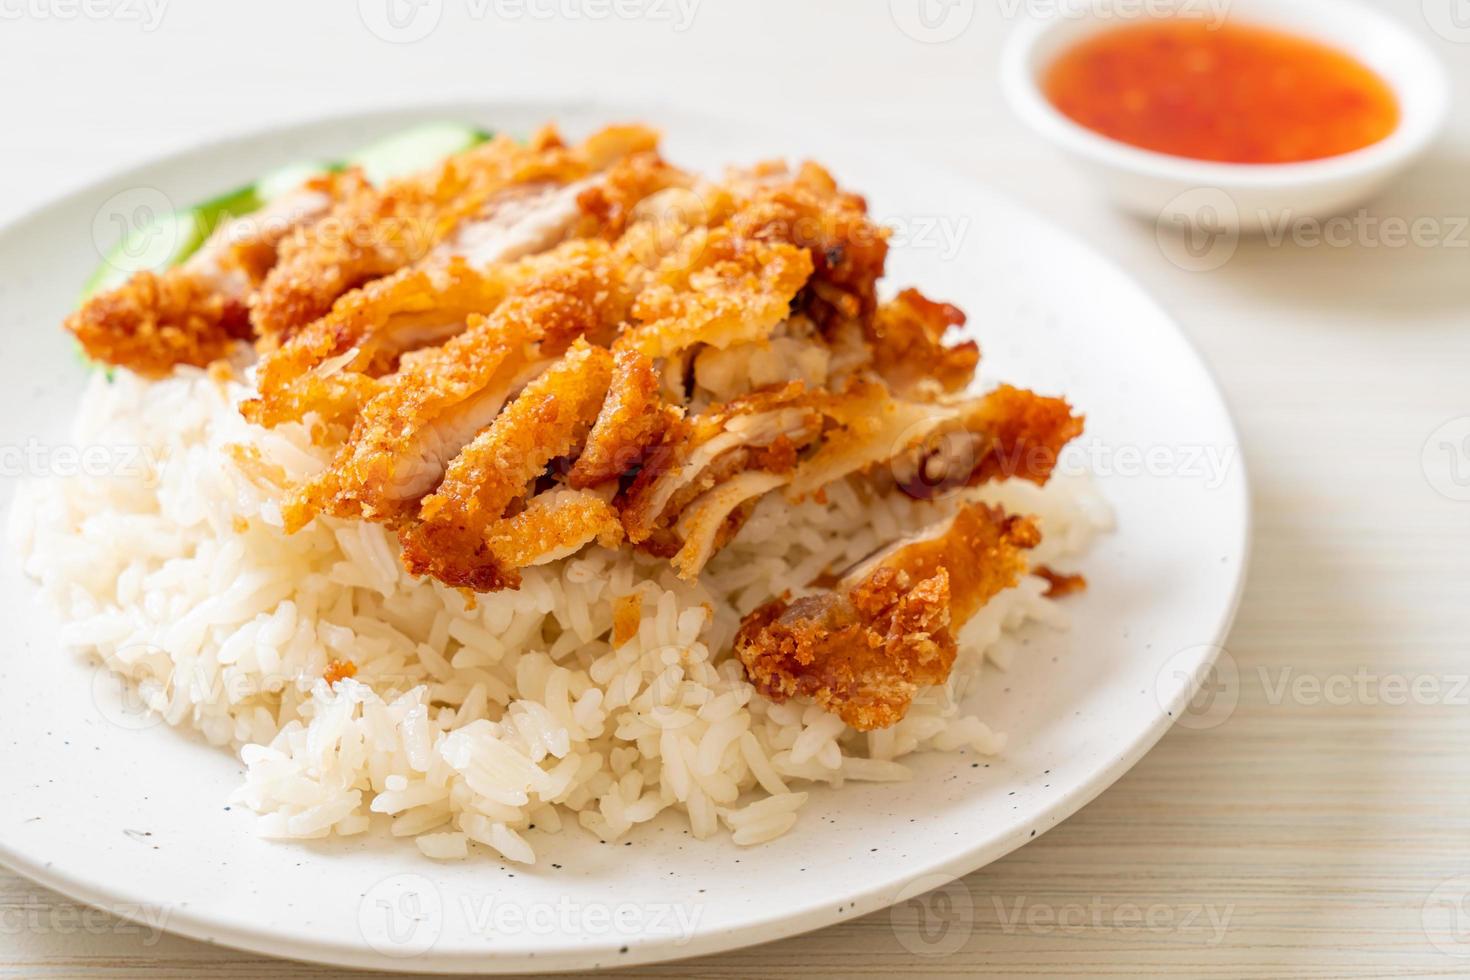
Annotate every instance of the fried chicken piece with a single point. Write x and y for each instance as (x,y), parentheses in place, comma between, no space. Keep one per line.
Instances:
(554,524)
(443,396)
(196,312)
(906,335)
(808,210)
(714,517)
(1059,584)
(380,230)
(322,367)
(717,289)
(863,649)
(934,447)
(547,420)
(758,431)
(329,367)
(153,322)
(1021,434)
(633,418)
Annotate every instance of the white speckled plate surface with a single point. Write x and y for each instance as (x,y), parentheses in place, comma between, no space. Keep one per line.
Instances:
(133,817)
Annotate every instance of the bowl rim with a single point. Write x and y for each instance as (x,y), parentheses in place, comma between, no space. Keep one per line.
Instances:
(1426,103)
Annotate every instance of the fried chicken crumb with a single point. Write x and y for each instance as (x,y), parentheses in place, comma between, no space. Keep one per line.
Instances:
(1059,584)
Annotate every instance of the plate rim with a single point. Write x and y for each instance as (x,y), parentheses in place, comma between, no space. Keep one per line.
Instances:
(786,923)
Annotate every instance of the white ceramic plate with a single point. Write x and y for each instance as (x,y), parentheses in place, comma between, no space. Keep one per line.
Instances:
(133,817)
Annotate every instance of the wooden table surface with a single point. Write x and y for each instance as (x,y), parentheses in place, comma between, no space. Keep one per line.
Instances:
(1322,827)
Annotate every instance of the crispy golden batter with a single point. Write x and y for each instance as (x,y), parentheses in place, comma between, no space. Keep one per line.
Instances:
(717,289)
(863,649)
(810,211)
(906,335)
(632,420)
(380,230)
(547,420)
(408,433)
(195,313)
(1059,584)
(758,431)
(153,322)
(330,365)
(1022,434)
(554,524)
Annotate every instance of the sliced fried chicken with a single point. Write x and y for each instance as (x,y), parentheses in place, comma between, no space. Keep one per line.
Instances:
(863,649)
(328,366)
(444,396)
(487,201)
(195,313)
(760,431)
(906,335)
(933,447)
(633,418)
(547,420)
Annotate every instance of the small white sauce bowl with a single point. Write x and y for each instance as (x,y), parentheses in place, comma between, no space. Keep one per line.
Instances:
(1235,196)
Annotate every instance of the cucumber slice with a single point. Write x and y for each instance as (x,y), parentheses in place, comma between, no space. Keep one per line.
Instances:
(171,238)
(414,149)
(167,240)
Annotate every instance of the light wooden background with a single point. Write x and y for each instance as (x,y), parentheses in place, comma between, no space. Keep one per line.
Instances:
(1322,830)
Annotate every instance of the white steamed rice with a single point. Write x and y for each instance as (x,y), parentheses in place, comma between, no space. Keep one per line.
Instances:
(468,724)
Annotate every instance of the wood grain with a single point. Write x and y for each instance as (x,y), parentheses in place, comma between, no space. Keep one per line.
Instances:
(1304,836)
